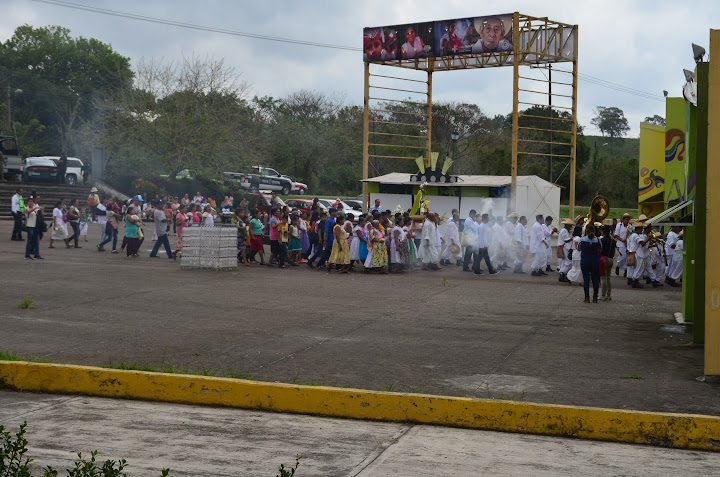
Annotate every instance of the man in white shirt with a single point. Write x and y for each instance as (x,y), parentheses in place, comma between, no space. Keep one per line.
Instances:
(622,232)
(452,237)
(520,244)
(565,242)
(642,258)
(469,239)
(674,270)
(431,257)
(499,244)
(549,231)
(538,246)
(17,207)
(635,245)
(483,242)
(670,244)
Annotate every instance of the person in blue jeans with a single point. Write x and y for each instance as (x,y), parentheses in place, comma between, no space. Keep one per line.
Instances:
(589,247)
(329,237)
(161,227)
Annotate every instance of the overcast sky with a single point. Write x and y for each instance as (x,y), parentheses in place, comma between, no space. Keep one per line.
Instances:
(640,44)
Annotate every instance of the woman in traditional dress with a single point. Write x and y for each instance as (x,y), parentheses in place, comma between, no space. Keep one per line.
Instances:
(398,246)
(377,251)
(340,254)
(575,274)
(359,242)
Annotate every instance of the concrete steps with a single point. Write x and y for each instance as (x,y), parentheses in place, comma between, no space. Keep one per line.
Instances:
(49,194)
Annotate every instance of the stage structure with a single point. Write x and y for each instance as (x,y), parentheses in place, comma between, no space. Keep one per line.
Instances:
(471,43)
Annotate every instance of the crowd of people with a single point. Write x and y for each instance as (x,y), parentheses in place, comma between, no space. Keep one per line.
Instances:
(381,240)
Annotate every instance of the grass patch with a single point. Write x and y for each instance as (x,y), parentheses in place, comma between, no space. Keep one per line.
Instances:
(8,356)
(25,303)
(632,376)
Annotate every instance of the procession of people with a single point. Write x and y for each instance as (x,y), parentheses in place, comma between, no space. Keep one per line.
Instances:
(379,241)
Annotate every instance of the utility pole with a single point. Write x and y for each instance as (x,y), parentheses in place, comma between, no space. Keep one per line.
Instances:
(550,157)
(9,108)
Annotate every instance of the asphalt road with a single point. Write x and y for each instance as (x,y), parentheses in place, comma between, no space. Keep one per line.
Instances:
(447,332)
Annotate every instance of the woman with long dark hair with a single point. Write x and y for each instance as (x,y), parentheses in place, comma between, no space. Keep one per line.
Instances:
(590,262)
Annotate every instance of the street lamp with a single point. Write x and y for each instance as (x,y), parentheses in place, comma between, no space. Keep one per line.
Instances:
(454,136)
(9,105)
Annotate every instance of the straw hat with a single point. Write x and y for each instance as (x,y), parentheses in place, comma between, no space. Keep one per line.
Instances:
(513,214)
(454,248)
(626,216)
(642,217)
(94,189)
(639,223)
(567,221)
(577,219)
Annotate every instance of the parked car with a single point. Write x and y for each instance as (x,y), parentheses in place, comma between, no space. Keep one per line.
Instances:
(297,187)
(261,178)
(13,163)
(347,209)
(303,205)
(355,204)
(73,172)
(261,202)
(39,169)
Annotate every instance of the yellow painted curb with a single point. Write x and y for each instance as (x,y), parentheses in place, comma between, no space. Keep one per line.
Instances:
(663,429)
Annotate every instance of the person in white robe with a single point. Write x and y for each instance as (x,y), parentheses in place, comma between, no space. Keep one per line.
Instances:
(575,273)
(671,243)
(499,244)
(509,226)
(520,244)
(549,231)
(642,258)
(675,269)
(452,237)
(429,245)
(565,243)
(622,233)
(538,246)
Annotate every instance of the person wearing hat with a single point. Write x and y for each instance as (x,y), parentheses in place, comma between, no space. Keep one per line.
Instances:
(622,232)
(635,244)
(93,202)
(565,244)
(656,258)
(538,245)
(549,230)
(520,244)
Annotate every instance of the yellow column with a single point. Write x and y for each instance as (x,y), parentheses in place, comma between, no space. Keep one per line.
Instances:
(712,251)
(366,137)
(515,118)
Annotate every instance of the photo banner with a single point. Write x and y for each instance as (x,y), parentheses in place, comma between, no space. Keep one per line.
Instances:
(467,36)
(437,39)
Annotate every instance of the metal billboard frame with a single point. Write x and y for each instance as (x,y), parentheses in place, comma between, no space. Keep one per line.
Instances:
(537,41)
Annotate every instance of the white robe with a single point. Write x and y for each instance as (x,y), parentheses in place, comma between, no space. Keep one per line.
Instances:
(565,263)
(675,269)
(429,243)
(452,236)
(537,246)
(499,244)
(520,239)
(575,273)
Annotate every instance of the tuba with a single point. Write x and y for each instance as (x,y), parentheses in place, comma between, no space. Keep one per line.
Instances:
(599,209)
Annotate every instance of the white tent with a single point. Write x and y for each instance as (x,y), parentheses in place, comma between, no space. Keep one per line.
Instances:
(534,196)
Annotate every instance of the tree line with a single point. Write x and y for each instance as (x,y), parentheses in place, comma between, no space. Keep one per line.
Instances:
(199,114)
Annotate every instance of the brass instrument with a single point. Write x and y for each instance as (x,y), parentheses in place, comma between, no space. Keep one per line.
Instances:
(599,209)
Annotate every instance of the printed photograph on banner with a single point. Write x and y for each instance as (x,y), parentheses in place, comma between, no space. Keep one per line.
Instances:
(416,40)
(489,34)
(380,44)
(450,37)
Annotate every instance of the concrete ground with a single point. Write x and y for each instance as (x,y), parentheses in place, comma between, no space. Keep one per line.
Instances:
(203,440)
(447,332)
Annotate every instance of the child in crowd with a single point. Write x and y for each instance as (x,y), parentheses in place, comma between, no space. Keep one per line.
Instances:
(283,240)
(84,218)
(295,246)
(242,235)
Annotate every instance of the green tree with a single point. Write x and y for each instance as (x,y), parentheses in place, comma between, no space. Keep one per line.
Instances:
(63,80)
(610,121)
(655,119)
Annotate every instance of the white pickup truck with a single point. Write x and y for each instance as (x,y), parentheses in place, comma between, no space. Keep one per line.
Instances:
(13,162)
